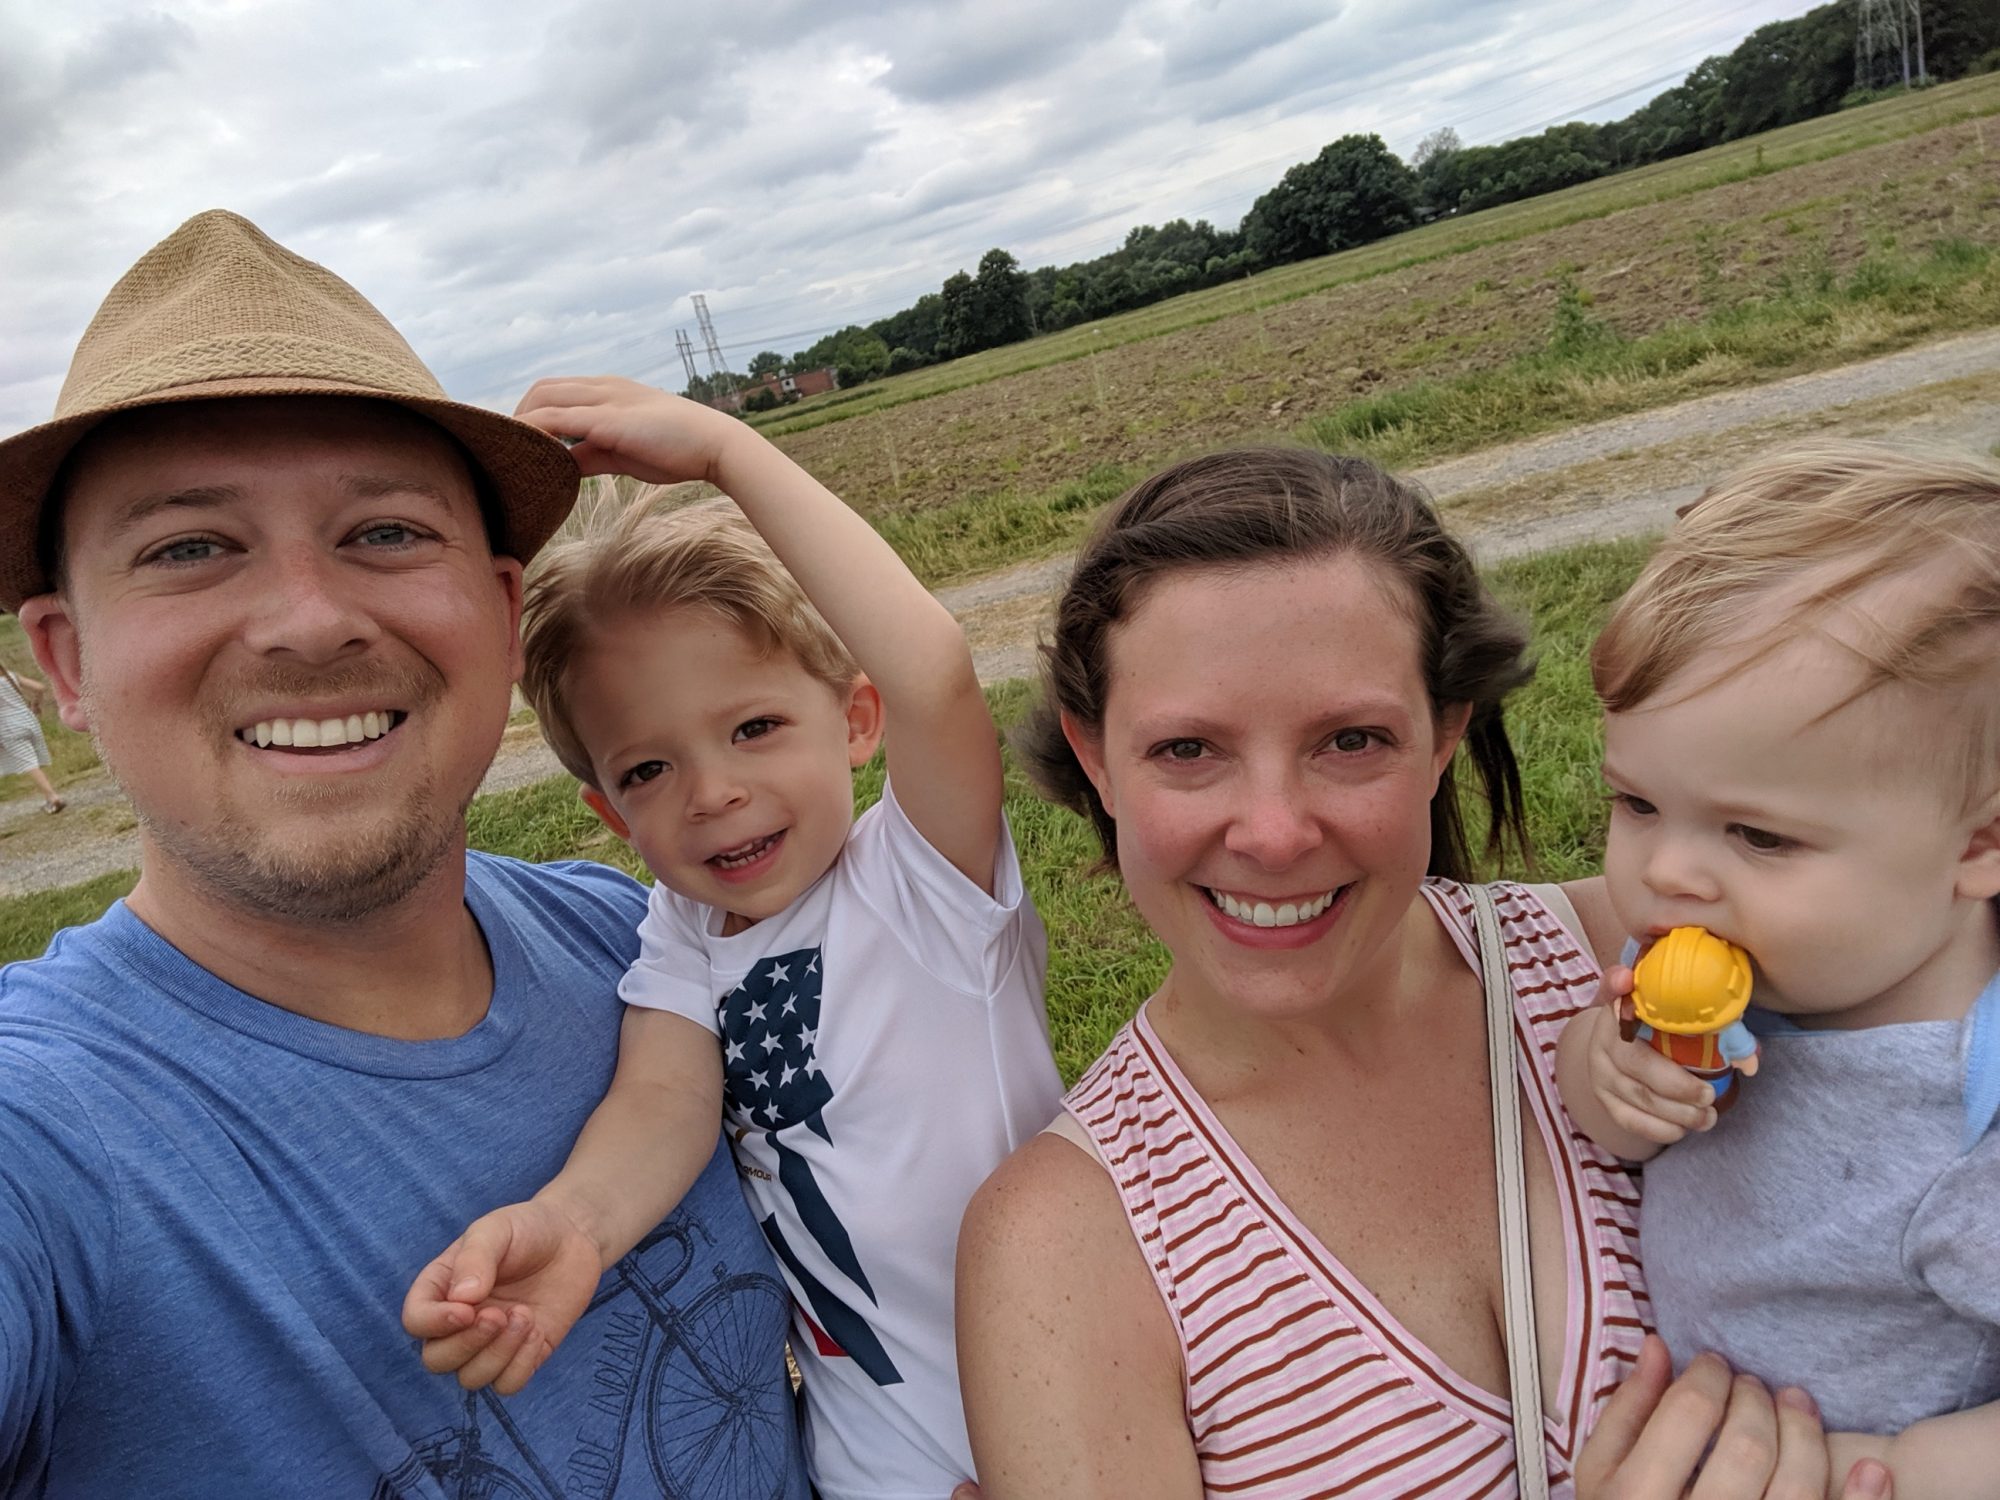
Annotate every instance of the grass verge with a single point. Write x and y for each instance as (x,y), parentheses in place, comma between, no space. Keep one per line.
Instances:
(1102,961)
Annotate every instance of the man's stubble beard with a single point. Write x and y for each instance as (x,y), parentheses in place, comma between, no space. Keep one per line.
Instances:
(246,866)
(325,883)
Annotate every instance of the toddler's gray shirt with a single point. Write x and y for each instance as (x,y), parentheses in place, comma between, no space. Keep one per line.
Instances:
(1834,1231)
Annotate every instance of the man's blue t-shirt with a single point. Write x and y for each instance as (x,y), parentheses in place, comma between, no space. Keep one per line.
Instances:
(210,1209)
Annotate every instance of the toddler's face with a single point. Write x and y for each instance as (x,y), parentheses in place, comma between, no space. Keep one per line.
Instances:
(1824,841)
(726,767)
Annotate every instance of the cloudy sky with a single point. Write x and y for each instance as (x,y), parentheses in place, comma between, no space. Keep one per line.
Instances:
(530,188)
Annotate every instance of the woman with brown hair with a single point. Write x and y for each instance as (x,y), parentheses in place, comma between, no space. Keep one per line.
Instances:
(1257,1254)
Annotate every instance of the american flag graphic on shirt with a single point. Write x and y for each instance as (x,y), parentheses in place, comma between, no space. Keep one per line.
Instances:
(772,1083)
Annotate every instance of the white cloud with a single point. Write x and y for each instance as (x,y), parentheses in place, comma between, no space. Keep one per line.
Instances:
(526,188)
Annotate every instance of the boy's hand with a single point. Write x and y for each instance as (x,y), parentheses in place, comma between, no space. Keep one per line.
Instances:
(623,427)
(494,1306)
(1643,1092)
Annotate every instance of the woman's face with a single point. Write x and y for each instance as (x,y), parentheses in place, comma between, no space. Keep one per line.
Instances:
(1269,753)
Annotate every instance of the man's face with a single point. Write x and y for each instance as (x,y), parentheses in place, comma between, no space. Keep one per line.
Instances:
(282,625)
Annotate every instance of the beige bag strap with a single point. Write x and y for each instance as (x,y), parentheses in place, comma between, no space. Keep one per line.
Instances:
(1524,1374)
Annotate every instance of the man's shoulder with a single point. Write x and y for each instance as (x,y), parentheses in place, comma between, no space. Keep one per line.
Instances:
(575,907)
(78,964)
(574,887)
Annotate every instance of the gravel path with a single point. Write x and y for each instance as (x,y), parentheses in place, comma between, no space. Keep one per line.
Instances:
(1891,375)
(1603,480)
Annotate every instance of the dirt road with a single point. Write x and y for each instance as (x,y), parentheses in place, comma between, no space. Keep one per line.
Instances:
(1607,479)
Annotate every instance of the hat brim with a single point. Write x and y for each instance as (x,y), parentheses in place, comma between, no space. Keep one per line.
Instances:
(533,477)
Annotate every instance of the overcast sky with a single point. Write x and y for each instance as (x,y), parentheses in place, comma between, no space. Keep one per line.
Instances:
(533,188)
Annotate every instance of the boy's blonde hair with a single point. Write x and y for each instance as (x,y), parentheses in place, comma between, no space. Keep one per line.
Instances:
(1811,532)
(649,559)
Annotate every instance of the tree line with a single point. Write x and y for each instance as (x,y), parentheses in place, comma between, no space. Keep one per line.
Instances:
(1357,190)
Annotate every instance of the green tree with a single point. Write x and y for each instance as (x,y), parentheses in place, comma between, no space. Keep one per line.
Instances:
(957,317)
(856,354)
(984,311)
(708,387)
(1436,161)
(914,328)
(1787,71)
(1354,191)
(1958,34)
(767,362)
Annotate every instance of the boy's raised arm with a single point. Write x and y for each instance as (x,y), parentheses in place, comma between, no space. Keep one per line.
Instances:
(943,754)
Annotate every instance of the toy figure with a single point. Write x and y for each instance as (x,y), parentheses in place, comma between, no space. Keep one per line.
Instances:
(1689,992)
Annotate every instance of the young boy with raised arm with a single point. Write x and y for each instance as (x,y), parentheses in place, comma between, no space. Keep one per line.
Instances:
(859,999)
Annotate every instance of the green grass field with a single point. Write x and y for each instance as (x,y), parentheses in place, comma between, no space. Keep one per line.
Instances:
(1101,960)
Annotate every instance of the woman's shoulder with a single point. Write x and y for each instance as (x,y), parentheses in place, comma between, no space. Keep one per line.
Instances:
(1580,909)
(1048,1227)
(1042,1193)
(1051,1279)
(1055,1198)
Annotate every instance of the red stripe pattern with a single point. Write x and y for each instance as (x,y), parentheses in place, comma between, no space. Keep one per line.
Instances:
(1299,1383)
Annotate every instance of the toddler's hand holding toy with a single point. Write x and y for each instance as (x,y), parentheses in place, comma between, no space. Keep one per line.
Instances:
(1640,1091)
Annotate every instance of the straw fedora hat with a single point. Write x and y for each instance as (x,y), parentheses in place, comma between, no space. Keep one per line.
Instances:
(218,309)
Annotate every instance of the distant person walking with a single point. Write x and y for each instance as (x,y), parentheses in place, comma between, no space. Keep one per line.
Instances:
(23,751)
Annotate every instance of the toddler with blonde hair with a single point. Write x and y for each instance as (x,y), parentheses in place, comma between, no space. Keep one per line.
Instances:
(1802,747)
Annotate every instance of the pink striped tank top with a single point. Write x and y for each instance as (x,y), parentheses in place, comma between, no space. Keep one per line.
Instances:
(1299,1383)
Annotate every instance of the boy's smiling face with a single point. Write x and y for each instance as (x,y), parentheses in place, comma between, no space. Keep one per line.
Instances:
(1824,839)
(725,765)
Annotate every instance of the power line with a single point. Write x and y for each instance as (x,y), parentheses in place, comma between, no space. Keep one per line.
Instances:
(1883,30)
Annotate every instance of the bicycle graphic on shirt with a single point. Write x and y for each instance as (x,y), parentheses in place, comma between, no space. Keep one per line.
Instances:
(715,1423)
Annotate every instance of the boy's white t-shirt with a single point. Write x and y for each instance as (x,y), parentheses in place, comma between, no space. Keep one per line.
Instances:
(884,1049)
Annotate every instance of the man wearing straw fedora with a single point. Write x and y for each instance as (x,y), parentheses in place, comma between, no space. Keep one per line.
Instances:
(275,574)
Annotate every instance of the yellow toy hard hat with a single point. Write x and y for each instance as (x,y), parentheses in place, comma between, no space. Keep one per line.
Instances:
(1691,982)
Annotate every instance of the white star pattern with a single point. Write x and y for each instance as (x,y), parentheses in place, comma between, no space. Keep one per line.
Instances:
(769,1025)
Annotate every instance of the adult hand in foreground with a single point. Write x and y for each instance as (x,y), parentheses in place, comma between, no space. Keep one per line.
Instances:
(1655,1431)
